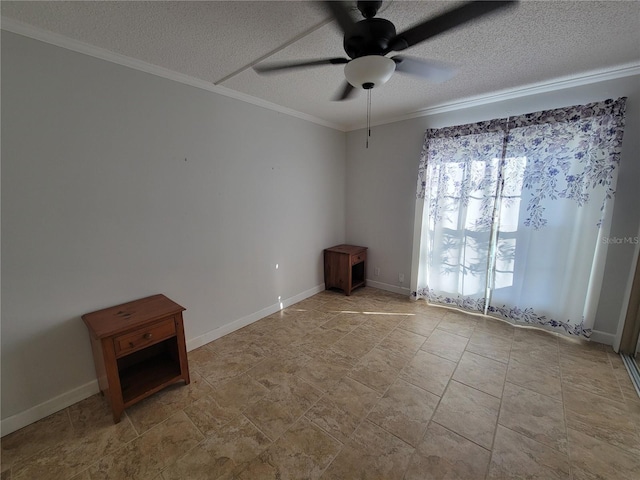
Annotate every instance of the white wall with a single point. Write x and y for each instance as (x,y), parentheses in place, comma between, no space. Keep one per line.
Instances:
(381,184)
(117,184)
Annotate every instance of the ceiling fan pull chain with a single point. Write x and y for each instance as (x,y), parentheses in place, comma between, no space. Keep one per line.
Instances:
(368,115)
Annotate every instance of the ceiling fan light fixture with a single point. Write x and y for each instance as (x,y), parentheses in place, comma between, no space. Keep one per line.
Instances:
(369,71)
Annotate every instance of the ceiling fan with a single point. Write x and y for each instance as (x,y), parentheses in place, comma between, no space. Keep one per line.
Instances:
(368,41)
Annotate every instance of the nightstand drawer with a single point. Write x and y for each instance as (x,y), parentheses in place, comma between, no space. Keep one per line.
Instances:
(360,257)
(144,337)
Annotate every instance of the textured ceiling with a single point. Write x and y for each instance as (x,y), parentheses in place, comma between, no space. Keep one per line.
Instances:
(537,41)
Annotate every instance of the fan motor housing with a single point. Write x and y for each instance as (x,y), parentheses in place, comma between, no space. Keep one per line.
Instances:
(370,36)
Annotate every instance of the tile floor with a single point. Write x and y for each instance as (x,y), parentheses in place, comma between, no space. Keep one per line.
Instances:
(371,386)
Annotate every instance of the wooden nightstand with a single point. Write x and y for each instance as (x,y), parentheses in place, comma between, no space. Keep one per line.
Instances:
(345,267)
(138,349)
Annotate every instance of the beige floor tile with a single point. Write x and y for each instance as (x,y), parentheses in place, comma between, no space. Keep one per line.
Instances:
(371,454)
(377,328)
(345,304)
(355,344)
(284,404)
(208,416)
(535,336)
(386,322)
(146,456)
(517,456)
(345,322)
(220,455)
(34,438)
(443,454)
(458,323)
(421,324)
(311,303)
(601,418)
(340,411)
(303,318)
(468,412)
(430,372)
(371,332)
(495,327)
(405,305)
(239,393)
(85,475)
(317,341)
(278,337)
(616,363)
(353,363)
(222,368)
(378,369)
(582,350)
(303,452)
(405,411)
(402,343)
(534,349)
(201,359)
(94,430)
(597,378)
(278,381)
(326,369)
(629,392)
(157,408)
(446,345)
(481,373)
(286,361)
(94,435)
(544,379)
(496,347)
(633,411)
(537,416)
(240,340)
(594,459)
(61,461)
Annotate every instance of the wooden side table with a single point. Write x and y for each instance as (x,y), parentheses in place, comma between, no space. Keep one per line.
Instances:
(345,267)
(138,349)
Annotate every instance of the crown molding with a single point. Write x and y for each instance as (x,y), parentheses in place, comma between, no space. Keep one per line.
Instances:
(586,78)
(21,28)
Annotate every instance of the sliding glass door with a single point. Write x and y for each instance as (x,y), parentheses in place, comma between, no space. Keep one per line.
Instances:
(516,214)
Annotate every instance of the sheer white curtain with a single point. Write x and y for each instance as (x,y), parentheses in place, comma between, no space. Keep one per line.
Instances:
(515,215)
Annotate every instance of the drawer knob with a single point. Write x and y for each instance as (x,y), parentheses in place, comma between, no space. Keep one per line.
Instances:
(147,336)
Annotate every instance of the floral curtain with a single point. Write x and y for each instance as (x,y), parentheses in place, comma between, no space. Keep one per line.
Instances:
(515,214)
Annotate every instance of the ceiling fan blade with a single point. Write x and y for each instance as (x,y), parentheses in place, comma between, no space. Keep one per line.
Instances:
(283,66)
(450,19)
(347,91)
(431,70)
(341,14)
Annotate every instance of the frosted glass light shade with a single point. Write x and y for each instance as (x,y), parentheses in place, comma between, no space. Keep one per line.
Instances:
(371,69)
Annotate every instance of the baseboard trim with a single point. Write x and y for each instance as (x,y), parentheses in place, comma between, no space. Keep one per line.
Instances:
(48,407)
(44,409)
(239,323)
(603,337)
(388,287)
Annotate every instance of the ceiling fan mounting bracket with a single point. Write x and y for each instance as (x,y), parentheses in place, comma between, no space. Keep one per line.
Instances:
(370,36)
(369,9)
